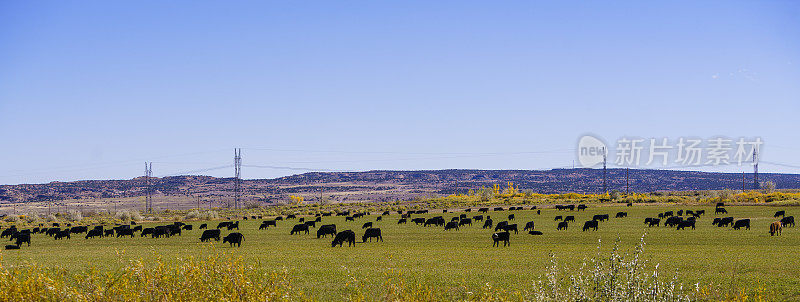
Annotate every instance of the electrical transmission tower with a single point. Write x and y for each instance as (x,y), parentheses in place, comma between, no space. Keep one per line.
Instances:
(148,197)
(237,181)
(755,169)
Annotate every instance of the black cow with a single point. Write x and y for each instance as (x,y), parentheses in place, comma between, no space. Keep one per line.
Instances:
(788,221)
(224,224)
(654,222)
(452,225)
(498,209)
(52,231)
(477,217)
(484,210)
(124,232)
(501,237)
(137,228)
(366,225)
(780,214)
(668,214)
(265,224)
(724,222)
(372,233)
(600,217)
(378,218)
(291,216)
(63,234)
(487,223)
(582,207)
(535,233)
(8,232)
(630,204)
(234,225)
(465,221)
(741,223)
(511,217)
(500,225)
(685,224)
(349,218)
(108,233)
(418,220)
(210,234)
(12,247)
(187,227)
(528,226)
(720,211)
(299,228)
(146,231)
(559,217)
(79,229)
(344,236)
(455,219)
(510,227)
(680,212)
(569,218)
(562,226)
(94,233)
(673,221)
(23,237)
(402,221)
(311,223)
(590,225)
(328,229)
(233,238)
(720,204)
(621,215)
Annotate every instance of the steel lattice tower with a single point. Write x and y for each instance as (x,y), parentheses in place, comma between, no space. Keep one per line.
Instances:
(148,197)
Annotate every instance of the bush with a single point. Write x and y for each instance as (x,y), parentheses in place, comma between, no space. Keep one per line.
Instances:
(74,216)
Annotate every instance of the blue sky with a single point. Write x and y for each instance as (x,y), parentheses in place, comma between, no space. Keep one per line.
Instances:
(92,89)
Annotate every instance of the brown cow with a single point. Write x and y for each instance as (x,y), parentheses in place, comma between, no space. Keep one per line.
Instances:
(775,227)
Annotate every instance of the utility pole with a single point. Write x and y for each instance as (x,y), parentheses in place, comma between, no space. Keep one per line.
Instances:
(237,181)
(148,197)
(755,169)
(605,183)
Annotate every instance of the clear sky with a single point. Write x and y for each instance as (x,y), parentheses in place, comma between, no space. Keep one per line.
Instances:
(92,89)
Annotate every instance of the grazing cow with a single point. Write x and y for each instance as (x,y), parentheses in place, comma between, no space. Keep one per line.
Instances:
(720,211)
(788,221)
(299,228)
(63,234)
(498,209)
(79,229)
(418,220)
(571,207)
(137,228)
(775,228)
(12,247)
(234,225)
(279,218)
(590,225)
(367,225)
(52,231)
(223,224)
(668,214)
(312,224)
(319,219)
(780,214)
(500,225)
(689,213)
(700,212)
(444,211)
(465,221)
(344,236)
(488,223)
(559,217)
(741,223)
(267,223)
(673,221)
(462,216)
(477,217)
(233,238)
(454,219)
(538,212)
(630,204)
(660,215)
(621,215)
(600,217)
(680,212)
(654,222)
(187,227)
(210,234)
(378,218)
(23,237)
(582,207)
(569,218)
(8,232)
(535,233)
(562,226)
(302,219)
(349,218)
(716,221)
(451,225)
(501,237)
(510,227)
(484,210)
(108,233)
(468,210)
(124,232)
(372,233)
(146,231)
(724,222)
(402,221)
(385,213)
(720,204)
(511,217)
(291,216)
(686,223)
(94,233)
(528,226)
(328,229)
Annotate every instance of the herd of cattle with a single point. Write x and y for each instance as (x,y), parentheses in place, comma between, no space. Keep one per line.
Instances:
(681,219)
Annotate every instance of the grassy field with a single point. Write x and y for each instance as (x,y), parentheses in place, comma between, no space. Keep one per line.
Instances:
(716,258)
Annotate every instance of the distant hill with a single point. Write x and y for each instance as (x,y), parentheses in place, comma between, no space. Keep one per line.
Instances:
(392,185)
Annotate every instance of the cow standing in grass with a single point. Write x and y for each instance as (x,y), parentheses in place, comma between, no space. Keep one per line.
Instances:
(501,237)
(775,228)
(344,236)
(234,239)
